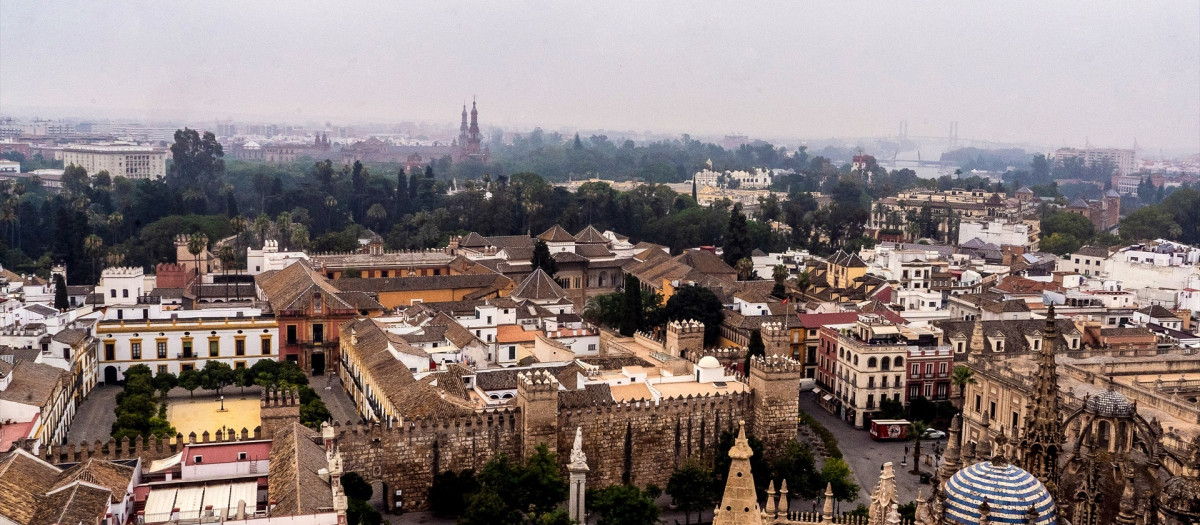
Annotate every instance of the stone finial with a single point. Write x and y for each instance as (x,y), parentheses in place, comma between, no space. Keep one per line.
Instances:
(827,509)
(769,510)
(783,498)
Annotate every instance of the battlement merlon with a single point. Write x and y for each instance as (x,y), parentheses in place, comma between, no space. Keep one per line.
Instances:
(686,326)
(776,366)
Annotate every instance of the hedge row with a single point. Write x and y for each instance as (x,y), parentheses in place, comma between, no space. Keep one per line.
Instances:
(827,437)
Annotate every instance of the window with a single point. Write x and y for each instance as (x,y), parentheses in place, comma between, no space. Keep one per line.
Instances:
(187,349)
(916,370)
(928,390)
(239,347)
(186,366)
(512,352)
(992,409)
(125,292)
(266,346)
(162,369)
(113,292)
(871,382)
(110,350)
(886,363)
(239,364)
(291,334)
(135,350)
(592,347)
(162,349)
(899,362)
(241,456)
(978,401)
(941,368)
(318,333)
(871,363)
(870,400)
(928,369)
(198,459)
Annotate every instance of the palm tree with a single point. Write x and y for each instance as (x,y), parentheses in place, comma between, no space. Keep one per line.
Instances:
(779,273)
(227,257)
(962,377)
(262,226)
(745,268)
(283,223)
(239,224)
(916,432)
(94,246)
(197,243)
(330,204)
(377,214)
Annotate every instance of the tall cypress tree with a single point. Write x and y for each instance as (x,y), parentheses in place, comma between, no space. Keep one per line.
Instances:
(414,182)
(737,238)
(631,311)
(60,293)
(401,193)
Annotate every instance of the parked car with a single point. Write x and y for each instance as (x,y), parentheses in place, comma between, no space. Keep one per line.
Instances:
(933,433)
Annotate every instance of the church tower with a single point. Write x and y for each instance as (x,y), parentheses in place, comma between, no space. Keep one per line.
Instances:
(1043,439)
(473,136)
(462,129)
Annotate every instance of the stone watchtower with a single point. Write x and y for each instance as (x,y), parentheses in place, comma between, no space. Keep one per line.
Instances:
(278,409)
(775,382)
(775,339)
(537,396)
(685,338)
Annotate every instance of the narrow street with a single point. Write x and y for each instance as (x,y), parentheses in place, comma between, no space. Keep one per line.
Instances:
(866,456)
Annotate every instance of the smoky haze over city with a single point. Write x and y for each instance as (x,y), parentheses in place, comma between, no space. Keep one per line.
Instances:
(1047,74)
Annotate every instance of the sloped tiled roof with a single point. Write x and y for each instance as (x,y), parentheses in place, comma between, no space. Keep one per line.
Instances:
(75,503)
(24,479)
(593,250)
(538,287)
(32,383)
(296,460)
(41,309)
(473,240)
(1157,312)
(590,235)
(112,476)
(705,262)
(569,257)
(427,282)
(510,241)
(292,287)
(71,336)
(556,233)
(1093,251)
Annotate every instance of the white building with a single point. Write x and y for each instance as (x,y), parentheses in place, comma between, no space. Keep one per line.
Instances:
(173,341)
(1124,160)
(10,166)
(755,178)
(119,160)
(270,258)
(122,285)
(999,232)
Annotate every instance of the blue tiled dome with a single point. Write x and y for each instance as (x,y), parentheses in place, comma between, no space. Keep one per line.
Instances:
(1008,490)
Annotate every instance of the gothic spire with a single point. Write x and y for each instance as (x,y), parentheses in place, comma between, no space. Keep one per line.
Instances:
(1044,434)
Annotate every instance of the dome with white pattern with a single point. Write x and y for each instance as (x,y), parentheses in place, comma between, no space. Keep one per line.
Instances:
(1007,493)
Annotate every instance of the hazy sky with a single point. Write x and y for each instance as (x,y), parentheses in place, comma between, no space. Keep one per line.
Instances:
(1048,72)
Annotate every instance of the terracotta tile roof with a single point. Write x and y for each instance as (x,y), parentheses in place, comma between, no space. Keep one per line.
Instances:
(591,394)
(590,235)
(71,336)
(473,240)
(112,476)
(511,333)
(360,301)
(1093,251)
(429,282)
(294,286)
(705,262)
(556,233)
(1010,306)
(538,287)
(41,309)
(295,480)
(1157,312)
(386,260)
(33,383)
(592,250)
(511,241)
(73,504)
(24,479)
(1015,332)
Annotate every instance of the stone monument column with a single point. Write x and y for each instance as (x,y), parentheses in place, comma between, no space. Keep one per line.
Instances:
(578,469)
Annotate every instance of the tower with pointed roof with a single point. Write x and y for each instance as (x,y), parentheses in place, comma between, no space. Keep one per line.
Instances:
(1042,443)
(739,503)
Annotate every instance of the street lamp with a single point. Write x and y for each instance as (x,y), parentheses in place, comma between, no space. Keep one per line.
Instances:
(222,409)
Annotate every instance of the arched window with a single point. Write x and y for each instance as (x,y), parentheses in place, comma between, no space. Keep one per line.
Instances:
(899,362)
(871,363)
(855,360)
(886,363)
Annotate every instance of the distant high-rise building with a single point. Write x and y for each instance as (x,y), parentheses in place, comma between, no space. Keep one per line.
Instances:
(1123,160)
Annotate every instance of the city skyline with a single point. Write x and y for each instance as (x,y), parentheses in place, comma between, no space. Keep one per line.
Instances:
(1005,75)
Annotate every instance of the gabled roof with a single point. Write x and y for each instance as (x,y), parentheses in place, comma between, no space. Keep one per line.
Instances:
(1078,203)
(1093,251)
(75,503)
(590,235)
(294,286)
(71,336)
(847,260)
(1157,312)
(538,287)
(41,309)
(296,461)
(592,250)
(23,480)
(112,476)
(1025,190)
(705,262)
(556,233)
(473,240)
